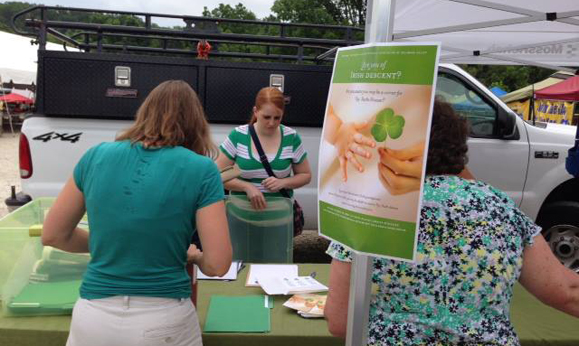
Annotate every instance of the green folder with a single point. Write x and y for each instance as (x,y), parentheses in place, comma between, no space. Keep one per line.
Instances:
(46,298)
(239,314)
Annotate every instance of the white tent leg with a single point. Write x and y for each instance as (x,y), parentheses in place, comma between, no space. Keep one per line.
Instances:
(379,28)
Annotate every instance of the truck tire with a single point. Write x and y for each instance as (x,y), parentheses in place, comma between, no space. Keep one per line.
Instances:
(560,223)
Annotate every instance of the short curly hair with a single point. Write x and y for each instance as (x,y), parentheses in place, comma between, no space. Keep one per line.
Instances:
(448,133)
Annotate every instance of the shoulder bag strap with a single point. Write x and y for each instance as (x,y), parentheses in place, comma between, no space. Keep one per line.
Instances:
(263,157)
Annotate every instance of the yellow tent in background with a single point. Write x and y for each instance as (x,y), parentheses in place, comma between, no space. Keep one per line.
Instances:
(520,100)
(552,111)
(521,108)
(527,92)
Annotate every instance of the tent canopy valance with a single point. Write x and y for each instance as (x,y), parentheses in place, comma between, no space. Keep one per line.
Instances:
(16,98)
(567,90)
(527,91)
(530,32)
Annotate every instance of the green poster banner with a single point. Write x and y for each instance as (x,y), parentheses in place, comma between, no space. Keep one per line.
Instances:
(373,234)
(379,106)
(386,64)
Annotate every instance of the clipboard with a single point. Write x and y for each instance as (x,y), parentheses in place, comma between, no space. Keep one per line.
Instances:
(46,298)
(239,314)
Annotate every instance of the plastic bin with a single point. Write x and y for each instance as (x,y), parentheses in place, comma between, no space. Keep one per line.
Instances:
(36,279)
(261,236)
(14,235)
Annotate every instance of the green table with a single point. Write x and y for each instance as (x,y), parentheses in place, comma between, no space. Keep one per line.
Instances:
(536,324)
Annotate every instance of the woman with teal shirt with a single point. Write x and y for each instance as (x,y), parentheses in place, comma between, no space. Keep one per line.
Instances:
(473,246)
(145,195)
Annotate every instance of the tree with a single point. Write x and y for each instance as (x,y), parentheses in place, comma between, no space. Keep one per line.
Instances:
(342,12)
(508,78)
(238,11)
(9,9)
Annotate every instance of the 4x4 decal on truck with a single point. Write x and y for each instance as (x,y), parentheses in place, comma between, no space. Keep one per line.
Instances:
(63,137)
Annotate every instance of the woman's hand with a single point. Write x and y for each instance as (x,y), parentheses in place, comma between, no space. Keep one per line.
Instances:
(255,197)
(274,184)
(400,171)
(193,254)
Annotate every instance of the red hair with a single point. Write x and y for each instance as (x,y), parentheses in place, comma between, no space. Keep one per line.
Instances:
(268,95)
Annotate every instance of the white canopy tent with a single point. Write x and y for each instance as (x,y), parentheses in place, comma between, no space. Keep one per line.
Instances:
(18,60)
(530,32)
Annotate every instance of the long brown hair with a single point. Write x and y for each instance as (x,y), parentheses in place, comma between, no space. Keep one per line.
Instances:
(172,115)
(268,95)
(447,152)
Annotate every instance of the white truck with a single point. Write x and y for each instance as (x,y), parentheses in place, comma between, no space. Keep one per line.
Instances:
(76,112)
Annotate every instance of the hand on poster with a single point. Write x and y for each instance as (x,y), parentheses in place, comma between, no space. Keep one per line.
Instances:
(348,141)
(400,171)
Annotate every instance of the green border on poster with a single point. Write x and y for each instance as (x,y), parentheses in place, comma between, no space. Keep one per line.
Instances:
(386,65)
(367,233)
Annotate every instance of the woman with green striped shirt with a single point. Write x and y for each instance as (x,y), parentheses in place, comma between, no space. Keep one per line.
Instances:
(281,144)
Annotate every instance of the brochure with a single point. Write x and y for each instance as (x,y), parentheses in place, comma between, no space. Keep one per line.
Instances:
(307,305)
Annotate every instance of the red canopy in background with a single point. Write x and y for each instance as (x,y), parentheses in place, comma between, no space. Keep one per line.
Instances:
(567,90)
(16,98)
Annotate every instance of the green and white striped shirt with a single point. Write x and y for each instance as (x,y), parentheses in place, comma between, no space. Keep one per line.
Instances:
(237,147)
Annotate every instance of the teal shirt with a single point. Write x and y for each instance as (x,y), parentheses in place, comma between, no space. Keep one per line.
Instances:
(141,206)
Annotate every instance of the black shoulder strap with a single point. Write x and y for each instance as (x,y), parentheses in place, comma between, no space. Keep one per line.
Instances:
(263,157)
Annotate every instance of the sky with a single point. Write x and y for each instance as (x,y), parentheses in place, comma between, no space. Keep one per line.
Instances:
(261,8)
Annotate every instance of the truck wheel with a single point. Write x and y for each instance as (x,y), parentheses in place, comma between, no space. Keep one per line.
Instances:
(560,222)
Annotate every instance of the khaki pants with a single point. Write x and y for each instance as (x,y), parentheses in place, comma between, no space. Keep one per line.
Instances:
(124,320)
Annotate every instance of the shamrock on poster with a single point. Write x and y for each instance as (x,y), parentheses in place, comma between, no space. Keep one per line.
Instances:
(387,125)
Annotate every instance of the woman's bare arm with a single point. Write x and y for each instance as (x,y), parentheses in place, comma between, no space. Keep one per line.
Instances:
(548,280)
(213,229)
(59,229)
(336,309)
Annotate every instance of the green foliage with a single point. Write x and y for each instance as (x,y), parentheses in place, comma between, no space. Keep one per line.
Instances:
(9,9)
(508,78)
(302,11)
(387,125)
(343,12)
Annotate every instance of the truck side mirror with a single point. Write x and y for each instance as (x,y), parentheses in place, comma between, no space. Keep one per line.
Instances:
(507,125)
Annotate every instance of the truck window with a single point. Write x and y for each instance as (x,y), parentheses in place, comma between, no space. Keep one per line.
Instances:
(481,116)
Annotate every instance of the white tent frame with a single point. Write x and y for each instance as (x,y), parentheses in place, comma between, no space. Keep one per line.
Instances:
(379,28)
(530,16)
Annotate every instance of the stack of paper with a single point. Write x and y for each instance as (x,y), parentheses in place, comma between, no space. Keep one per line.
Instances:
(262,271)
(242,314)
(231,274)
(282,279)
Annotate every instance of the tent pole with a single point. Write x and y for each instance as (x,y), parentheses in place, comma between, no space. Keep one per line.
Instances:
(7,109)
(532,103)
(379,28)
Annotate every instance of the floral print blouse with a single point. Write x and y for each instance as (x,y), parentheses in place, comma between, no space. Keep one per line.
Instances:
(469,256)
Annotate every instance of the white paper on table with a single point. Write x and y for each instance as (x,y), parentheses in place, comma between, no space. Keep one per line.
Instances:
(230,275)
(259,272)
(291,285)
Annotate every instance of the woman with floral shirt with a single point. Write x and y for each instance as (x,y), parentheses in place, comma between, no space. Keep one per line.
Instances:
(473,245)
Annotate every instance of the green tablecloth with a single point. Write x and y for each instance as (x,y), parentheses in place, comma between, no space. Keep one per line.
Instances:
(535,323)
